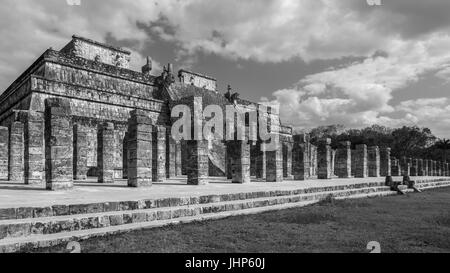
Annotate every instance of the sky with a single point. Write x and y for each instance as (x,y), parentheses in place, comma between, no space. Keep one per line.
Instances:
(324,61)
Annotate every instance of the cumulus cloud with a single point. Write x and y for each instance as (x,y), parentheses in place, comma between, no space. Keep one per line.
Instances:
(396,44)
(359,94)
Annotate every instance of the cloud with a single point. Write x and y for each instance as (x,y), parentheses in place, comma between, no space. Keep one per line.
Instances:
(395,45)
(360,94)
(30,27)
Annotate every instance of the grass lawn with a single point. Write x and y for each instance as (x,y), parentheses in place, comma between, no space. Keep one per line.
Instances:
(411,223)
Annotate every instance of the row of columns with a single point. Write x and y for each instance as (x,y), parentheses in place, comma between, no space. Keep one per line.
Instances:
(152,155)
(53,156)
(420,167)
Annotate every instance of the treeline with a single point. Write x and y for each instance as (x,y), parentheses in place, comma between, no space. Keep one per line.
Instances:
(406,141)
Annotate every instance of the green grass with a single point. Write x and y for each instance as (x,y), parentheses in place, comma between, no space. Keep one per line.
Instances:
(411,223)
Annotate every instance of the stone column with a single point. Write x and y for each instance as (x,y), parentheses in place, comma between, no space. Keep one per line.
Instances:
(105,153)
(140,149)
(260,160)
(430,167)
(434,168)
(80,151)
(170,155)
(414,166)
(58,145)
(385,161)
(359,161)
(300,160)
(344,160)
(159,152)
(240,160)
(313,160)
(184,157)
(4,152)
(287,160)
(425,167)
(395,167)
(274,164)
(16,153)
(406,167)
(447,171)
(373,154)
(34,154)
(178,158)
(324,159)
(420,168)
(197,164)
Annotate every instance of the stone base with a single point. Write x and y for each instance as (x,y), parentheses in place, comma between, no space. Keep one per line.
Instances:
(59,186)
(140,182)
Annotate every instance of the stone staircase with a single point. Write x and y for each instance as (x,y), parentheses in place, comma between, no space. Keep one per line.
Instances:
(25,228)
(432,184)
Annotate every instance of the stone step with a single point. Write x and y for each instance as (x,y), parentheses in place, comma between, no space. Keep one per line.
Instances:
(164,216)
(54,224)
(41,231)
(433,186)
(74,209)
(23,228)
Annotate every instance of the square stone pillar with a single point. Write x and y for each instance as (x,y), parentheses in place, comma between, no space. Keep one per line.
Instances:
(4,153)
(34,154)
(184,157)
(425,167)
(439,168)
(58,145)
(430,167)
(287,160)
(171,155)
(395,167)
(105,153)
(80,152)
(447,171)
(274,164)
(240,160)
(140,149)
(434,168)
(16,153)
(178,158)
(420,168)
(359,161)
(373,154)
(385,161)
(344,160)
(414,167)
(324,159)
(34,150)
(313,161)
(197,164)
(228,162)
(300,160)
(159,153)
(261,160)
(406,167)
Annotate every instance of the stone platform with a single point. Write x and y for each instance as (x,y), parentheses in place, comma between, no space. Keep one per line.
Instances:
(38,218)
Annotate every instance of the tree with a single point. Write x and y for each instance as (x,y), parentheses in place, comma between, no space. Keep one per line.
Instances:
(330,131)
(444,145)
(411,141)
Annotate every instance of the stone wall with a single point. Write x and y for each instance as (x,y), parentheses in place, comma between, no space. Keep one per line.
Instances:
(95,51)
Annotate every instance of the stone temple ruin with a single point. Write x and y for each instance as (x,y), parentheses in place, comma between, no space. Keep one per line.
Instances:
(82,112)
